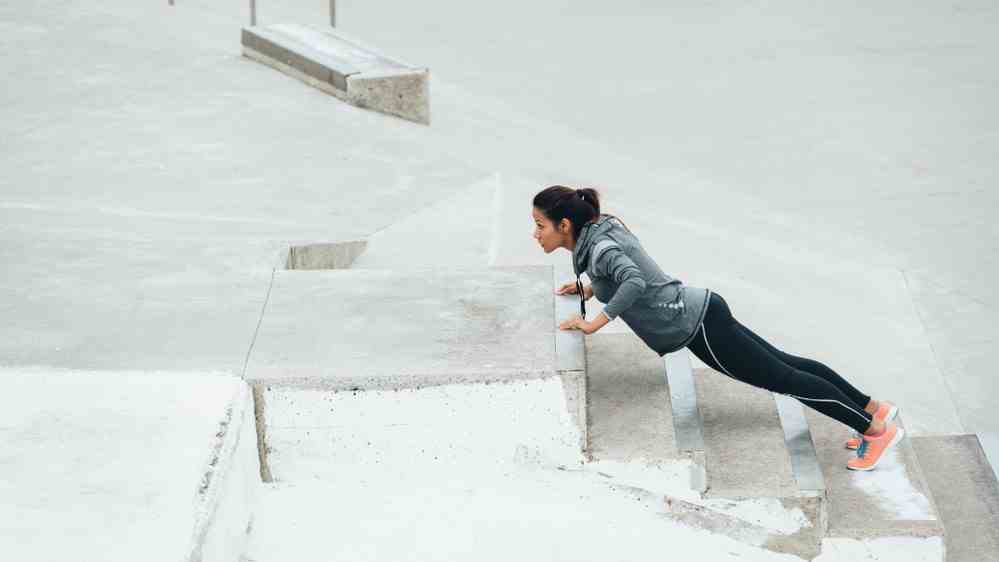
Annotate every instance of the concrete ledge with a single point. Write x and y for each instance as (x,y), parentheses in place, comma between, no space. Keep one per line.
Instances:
(342,67)
(225,501)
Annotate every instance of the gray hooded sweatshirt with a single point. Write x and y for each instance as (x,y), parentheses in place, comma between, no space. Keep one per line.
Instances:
(661,310)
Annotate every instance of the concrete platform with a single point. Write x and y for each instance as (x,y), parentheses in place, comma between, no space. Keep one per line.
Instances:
(966,495)
(373,329)
(343,67)
(890,501)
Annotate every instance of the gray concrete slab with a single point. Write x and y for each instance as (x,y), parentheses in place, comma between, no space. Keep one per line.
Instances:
(892,500)
(389,329)
(965,492)
(745,452)
(629,413)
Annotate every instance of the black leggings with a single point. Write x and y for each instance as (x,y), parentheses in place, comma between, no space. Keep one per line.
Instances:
(732,349)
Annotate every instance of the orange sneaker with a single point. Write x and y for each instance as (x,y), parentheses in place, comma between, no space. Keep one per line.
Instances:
(886,412)
(872,448)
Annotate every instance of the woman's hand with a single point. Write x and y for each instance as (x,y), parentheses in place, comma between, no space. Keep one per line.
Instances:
(576,322)
(570,289)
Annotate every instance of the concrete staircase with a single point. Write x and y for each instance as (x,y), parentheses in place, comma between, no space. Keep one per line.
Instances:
(474,348)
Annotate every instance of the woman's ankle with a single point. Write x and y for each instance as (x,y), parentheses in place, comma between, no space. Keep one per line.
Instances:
(876,428)
(872,406)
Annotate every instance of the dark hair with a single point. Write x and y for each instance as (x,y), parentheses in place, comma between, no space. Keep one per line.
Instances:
(558,202)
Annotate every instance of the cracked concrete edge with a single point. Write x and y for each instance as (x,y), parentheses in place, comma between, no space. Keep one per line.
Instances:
(276,377)
(805,543)
(219,531)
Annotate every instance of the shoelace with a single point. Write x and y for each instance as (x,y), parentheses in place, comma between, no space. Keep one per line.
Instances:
(862,448)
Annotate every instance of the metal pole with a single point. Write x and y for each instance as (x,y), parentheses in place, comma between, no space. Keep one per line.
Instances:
(332,13)
(253,12)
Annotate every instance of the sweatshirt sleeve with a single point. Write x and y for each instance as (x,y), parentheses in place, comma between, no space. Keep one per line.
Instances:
(614,263)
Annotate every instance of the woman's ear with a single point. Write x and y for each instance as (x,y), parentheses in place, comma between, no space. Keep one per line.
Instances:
(565,226)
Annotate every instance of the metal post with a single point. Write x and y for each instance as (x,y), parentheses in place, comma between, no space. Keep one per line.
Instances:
(332,13)
(253,12)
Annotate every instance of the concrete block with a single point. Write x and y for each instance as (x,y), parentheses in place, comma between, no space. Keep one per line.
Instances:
(343,67)
(965,492)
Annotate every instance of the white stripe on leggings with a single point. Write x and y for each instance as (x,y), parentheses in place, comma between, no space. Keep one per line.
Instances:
(704,331)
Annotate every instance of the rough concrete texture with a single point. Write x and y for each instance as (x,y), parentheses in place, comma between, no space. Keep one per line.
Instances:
(966,495)
(404,93)
(629,413)
(891,501)
(386,329)
(321,433)
(745,452)
(355,73)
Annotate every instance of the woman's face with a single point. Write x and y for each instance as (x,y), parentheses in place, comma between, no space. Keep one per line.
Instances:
(546,234)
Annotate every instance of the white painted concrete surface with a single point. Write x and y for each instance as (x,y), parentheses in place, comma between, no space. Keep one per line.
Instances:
(111,465)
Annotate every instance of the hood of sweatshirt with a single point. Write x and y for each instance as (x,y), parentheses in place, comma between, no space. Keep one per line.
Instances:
(587,238)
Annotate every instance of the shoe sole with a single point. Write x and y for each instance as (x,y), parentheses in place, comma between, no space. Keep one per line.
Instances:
(899,434)
(890,417)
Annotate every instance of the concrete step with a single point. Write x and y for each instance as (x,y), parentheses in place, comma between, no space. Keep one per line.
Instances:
(965,492)
(890,501)
(745,451)
(628,399)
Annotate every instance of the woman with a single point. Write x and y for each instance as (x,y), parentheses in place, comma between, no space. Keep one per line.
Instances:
(668,315)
